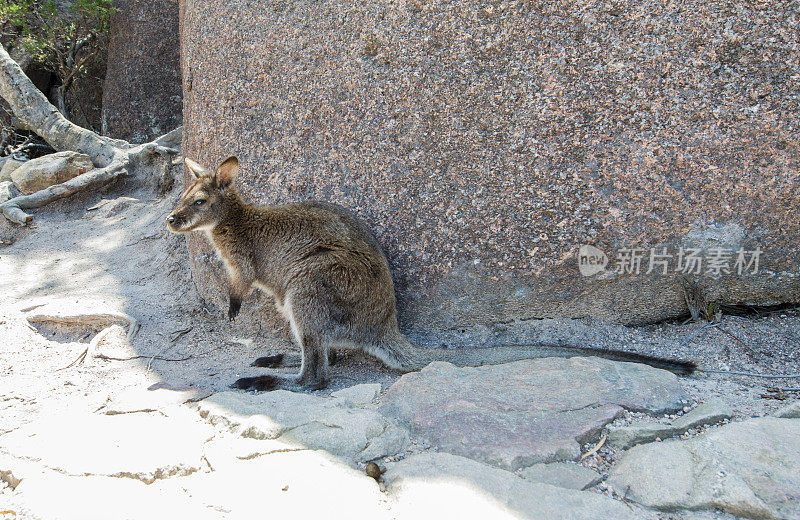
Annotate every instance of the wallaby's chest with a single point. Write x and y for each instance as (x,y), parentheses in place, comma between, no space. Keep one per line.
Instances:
(241,256)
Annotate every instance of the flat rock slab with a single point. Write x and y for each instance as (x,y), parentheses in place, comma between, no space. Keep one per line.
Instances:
(142,446)
(422,483)
(518,414)
(330,424)
(563,474)
(749,469)
(711,412)
(359,394)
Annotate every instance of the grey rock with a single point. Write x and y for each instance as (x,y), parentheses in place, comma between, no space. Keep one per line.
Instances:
(7,191)
(518,414)
(749,469)
(38,174)
(474,490)
(711,412)
(314,422)
(563,474)
(791,411)
(8,167)
(140,446)
(359,394)
(228,451)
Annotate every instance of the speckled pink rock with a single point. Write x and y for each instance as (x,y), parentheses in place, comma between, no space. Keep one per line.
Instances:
(484,142)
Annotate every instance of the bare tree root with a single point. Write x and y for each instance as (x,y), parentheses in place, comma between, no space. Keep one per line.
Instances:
(97,320)
(113,158)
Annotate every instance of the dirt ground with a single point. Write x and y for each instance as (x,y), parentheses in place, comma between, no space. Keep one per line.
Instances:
(108,255)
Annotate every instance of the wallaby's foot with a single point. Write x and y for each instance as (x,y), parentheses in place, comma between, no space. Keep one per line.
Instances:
(258,383)
(233,307)
(289,360)
(267,383)
(273,361)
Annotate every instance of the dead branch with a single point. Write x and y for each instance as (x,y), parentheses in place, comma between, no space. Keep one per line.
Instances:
(113,158)
(159,358)
(595,449)
(105,320)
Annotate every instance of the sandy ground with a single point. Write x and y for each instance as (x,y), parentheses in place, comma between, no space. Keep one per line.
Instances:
(118,260)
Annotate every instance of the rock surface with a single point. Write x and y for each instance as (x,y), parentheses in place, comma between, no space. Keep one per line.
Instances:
(142,90)
(791,411)
(517,414)
(359,394)
(485,142)
(353,433)
(422,483)
(562,474)
(711,412)
(38,174)
(7,191)
(749,469)
(9,166)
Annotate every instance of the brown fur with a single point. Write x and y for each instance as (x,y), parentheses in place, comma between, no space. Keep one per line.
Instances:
(328,276)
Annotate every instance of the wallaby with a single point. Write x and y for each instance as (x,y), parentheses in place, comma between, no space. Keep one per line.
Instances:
(329,279)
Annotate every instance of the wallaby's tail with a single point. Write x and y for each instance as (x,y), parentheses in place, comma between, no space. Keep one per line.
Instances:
(410,357)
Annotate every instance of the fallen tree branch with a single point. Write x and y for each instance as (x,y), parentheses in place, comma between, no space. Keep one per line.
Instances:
(13,208)
(34,111)
(123,164)
(113,158)
(131,358)
(595,449)
(105,319)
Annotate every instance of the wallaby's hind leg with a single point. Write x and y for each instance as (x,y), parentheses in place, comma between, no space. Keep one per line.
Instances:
(289,360)
(305,323)
(314,370)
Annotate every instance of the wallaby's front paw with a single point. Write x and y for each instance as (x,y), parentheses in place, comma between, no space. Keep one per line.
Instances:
(233,308)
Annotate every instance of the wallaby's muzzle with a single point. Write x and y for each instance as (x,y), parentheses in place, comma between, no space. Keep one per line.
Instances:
(175,223)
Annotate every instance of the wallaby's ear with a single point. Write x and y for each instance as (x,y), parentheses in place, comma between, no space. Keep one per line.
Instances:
(227,171)
(195,169)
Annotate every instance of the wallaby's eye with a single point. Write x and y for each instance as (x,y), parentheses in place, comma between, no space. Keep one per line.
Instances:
(199,202)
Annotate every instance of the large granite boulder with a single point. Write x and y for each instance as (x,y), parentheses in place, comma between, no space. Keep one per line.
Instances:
(485,142)
(142,91)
